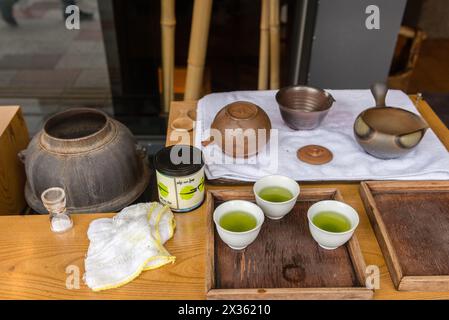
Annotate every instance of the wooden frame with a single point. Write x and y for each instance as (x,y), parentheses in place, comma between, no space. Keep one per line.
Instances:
(401,281)
(307,194)
(14,138)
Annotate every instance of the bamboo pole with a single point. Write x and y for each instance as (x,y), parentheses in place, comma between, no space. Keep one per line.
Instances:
(274,44)
(168,23)
(202,10)
(264,49)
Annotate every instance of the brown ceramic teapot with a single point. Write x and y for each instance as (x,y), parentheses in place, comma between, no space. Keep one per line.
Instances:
(388,132)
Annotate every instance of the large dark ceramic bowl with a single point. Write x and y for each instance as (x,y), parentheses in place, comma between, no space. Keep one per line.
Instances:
(93,157)
(303,107)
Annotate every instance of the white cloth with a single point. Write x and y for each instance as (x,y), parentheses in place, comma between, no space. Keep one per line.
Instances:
(429,160)
(127,244)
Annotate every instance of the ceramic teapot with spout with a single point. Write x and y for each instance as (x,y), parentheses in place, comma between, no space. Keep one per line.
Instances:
(388,132)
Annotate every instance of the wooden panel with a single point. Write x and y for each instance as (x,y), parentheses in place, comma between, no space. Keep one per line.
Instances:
(13,138)
(292,294)
(34,261)
(433,120)
(411,221)
(180,109)
(285,256)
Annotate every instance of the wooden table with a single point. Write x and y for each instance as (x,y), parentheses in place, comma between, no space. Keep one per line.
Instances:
(13,139)
(33,260)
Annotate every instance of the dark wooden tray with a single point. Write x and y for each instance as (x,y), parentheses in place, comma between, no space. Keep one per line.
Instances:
(284,262)
(411,223)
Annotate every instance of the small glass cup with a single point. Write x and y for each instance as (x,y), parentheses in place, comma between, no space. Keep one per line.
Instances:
(54,200)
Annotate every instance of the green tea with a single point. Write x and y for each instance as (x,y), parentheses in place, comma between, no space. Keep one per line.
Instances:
(331,221)
(238,221)
(275,194)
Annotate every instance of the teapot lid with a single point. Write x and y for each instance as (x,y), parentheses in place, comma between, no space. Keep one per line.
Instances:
(314,154)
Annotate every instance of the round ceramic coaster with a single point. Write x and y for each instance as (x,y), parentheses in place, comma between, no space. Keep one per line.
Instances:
(314,154)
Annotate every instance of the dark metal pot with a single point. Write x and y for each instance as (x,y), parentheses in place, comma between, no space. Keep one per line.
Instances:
(93,157)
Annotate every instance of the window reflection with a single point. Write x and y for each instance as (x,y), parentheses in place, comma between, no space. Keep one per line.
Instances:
(44,67)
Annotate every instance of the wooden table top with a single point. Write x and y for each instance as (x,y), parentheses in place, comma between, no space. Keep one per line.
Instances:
(34,261)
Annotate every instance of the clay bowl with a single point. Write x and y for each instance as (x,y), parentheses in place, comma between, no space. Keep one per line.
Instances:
(245,120)
(388,132)
(303,107)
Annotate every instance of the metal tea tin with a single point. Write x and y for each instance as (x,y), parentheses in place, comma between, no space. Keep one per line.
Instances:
(180,177)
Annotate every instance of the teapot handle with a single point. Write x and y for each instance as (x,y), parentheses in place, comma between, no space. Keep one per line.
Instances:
(22,155)
(379,91)
(208,141)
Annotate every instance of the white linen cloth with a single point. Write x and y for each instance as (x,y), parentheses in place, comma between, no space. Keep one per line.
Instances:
(429,160)
(127,244)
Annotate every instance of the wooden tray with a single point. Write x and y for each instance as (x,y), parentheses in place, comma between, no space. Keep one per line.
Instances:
(411,222)
(284,262)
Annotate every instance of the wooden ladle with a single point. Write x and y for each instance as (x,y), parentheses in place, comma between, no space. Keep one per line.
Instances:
(185,121)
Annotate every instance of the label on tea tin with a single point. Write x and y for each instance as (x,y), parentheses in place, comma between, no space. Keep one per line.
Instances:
(181,193)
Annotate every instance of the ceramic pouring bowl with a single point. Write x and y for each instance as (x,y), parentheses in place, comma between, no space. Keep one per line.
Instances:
(388,132)
(249,129)
(303,107)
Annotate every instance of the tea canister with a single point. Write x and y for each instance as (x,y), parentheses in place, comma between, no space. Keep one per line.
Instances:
(180,177)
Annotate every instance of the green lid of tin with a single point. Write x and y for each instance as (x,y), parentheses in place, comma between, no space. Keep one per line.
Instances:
(178,160)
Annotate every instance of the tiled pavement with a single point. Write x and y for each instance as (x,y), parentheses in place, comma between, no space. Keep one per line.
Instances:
(45,67)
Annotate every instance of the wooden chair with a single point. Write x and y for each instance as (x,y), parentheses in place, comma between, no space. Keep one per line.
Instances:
(405,58)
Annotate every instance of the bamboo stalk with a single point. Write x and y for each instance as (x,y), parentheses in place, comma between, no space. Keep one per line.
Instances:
(264,45)
(274,44)
(168,22)
(197,48)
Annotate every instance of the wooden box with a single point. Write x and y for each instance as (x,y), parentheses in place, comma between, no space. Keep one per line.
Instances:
(284,262)
(411,223)
(13,138)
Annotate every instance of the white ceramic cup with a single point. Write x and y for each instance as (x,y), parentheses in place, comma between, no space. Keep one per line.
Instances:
(276,210)
(332,240)
(238,240)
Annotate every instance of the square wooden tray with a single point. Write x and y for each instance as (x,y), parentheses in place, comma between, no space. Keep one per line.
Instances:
(411,223)
(284,262)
